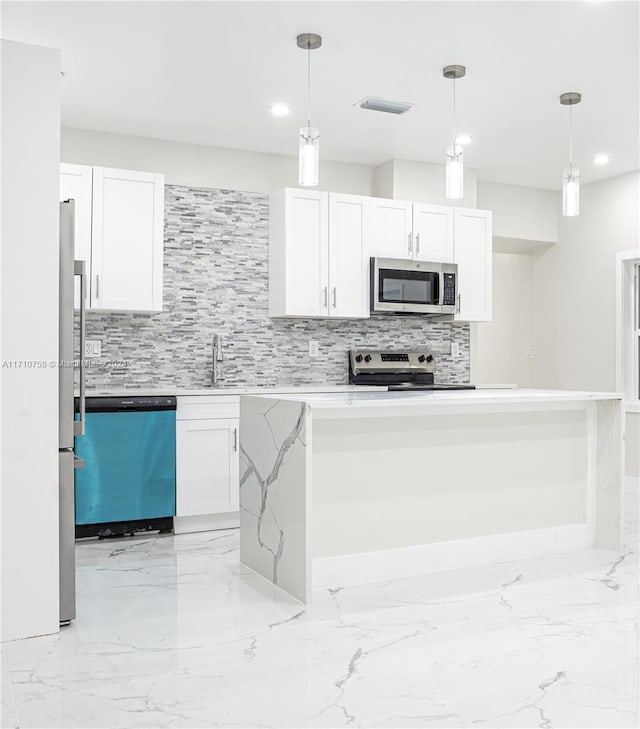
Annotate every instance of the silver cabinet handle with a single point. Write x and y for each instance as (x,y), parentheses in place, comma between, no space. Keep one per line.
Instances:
(417,242)
(97,285)
(409,236)
(79,270)
(235,439)
(326,297)
(334,297)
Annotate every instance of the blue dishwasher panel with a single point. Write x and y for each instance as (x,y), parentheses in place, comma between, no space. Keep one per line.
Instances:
(130,470)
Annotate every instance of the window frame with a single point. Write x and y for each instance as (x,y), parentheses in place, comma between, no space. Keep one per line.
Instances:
(628,328)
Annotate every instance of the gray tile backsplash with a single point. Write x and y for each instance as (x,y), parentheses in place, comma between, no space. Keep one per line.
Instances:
(215,282)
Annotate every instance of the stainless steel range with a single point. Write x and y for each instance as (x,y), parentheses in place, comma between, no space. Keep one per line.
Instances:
(397,369)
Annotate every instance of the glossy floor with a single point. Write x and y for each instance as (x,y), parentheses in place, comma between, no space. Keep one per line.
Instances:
(172,632)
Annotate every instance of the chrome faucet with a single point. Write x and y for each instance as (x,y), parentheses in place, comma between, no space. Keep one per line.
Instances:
(216,354)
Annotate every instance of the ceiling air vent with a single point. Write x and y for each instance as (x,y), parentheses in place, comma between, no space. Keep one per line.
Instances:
(391,107)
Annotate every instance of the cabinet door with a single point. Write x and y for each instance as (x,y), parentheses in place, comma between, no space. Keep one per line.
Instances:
(391,228)
(207,466)
(298,253)
(76,184)
(127,240)
(307,253)
(433,232)
(473,253)
(348,255)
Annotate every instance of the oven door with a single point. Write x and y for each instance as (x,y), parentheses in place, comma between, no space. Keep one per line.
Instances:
(406,286)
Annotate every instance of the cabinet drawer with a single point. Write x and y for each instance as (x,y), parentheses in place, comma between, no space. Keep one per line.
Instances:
(208,407)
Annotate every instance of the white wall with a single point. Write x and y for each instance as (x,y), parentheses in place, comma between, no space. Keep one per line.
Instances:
(199,166)
(574,287)
(575,296)
(403,179)
(30,81)
(499,347)
(521,215)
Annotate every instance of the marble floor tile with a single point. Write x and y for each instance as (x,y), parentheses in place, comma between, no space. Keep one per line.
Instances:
(173,632)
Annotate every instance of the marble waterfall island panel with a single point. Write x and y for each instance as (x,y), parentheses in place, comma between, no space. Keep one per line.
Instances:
(275,483)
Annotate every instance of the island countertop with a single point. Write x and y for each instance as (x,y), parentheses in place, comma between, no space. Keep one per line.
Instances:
(340,488)
(412,401)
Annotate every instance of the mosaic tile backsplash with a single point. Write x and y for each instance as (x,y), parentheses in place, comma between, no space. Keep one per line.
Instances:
(215,282)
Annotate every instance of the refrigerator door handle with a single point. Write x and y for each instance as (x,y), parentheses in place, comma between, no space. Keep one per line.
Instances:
(79,270)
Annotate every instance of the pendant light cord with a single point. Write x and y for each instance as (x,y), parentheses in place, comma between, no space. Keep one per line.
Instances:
(571,138)
(309,84)
(453,142)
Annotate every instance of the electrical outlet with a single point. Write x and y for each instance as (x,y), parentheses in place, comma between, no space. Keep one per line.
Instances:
(313,348)
(455,349)
(530,353)
(92,348)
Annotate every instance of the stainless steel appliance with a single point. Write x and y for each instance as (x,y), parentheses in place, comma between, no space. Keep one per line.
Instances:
(398,370)
(68,426)
(417,287)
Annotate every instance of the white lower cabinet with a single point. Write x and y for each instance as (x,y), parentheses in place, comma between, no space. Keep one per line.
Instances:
(207,465)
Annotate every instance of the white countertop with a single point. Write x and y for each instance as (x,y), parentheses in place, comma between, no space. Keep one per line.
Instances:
(364,400)
(150,390)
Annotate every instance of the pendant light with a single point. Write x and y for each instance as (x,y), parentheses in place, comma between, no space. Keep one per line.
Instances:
(571,177)
(454,188)
(309,150)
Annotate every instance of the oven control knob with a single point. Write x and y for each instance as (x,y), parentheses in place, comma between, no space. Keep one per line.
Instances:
(430,358)
(358,358)
(421,358)
(367,358)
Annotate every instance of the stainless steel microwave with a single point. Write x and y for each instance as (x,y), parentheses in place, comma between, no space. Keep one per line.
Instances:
(416,287)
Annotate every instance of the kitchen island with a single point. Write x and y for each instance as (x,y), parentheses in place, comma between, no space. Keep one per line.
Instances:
(353,487)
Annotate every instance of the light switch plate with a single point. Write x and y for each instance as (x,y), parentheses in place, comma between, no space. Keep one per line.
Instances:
(92,348)
(530,353)
(455,349)
(313,348)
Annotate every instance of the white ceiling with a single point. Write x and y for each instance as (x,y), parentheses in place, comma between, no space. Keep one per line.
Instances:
(206,72)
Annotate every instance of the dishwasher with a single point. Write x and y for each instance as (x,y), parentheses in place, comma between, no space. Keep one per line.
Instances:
(129,482)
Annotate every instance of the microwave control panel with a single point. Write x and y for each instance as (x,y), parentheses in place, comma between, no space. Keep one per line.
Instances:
(449,294)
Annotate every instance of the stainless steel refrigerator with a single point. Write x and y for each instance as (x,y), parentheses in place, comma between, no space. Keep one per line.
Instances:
(69,427)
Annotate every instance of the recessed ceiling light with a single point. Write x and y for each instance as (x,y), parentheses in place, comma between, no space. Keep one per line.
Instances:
(280,109)
(601,159)
(463,140)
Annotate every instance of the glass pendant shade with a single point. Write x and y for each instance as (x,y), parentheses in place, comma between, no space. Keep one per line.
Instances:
(571,192)
(309,156)
(454,173)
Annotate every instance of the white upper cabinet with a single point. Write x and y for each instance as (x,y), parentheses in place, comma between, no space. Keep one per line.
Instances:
(76,184)
(433,233)
(318,254)
(127,240)
(473,251)
(391,228)
(413,231)
(348,255)
(298,253)
(119,233)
